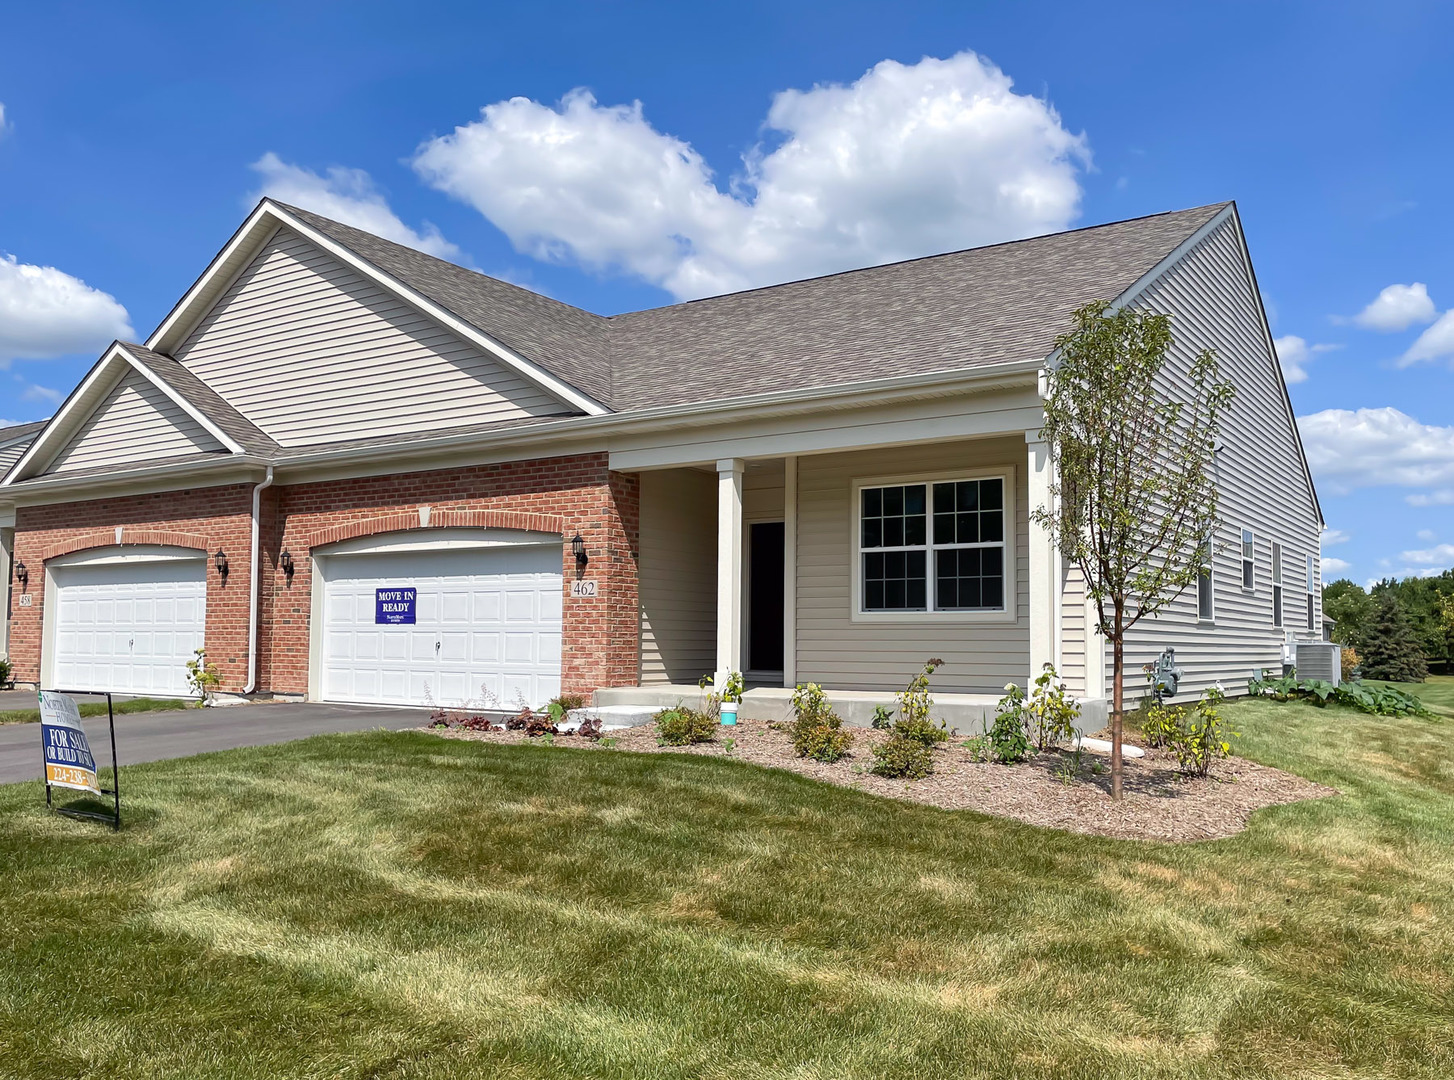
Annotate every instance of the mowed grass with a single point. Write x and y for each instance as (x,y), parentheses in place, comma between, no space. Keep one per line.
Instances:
(1437,692)
(98,708)
(398,905)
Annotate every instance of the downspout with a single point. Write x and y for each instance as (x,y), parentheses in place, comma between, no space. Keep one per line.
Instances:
(252,600)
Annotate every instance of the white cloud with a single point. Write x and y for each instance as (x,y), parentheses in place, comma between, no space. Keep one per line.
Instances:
(1334,536)
(2,118)
(45,313)
(1295,354)
(909,160)
(1435,343)
(1397,308)
(1425,535)
(1335,566)
(1432,498)
(346,195)
(1443,554)
(34,392)
(1372,447)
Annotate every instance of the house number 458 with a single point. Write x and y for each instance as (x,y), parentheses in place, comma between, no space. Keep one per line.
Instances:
(582,588)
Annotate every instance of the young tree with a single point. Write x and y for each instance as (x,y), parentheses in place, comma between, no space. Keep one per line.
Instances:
(1350,609)
(1133,498)
(1391,650)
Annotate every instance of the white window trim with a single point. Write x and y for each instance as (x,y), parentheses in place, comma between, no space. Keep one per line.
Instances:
(1012,543)
(1243,560)
(1208,620)
(1312,588)
(1279,591)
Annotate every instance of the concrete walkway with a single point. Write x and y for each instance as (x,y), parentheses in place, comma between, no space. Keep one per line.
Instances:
(156,736)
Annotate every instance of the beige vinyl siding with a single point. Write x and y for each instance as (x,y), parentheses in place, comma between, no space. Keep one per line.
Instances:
(136,421)
(312,352)
(762,491)
(1210,296)
(1072,629)
(840,652)
(678,575)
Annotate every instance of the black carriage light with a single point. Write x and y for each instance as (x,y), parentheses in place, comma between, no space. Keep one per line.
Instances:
(285,560)
(578,548)
(221,560)
(22,575)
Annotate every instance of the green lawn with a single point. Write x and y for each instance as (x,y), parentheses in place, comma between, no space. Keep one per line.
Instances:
(1437,691)
(396,905)
(98,708)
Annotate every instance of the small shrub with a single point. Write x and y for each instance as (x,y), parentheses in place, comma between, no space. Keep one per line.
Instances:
(5,672)
(1051,713)
(202,677)
(978,747)
(883,718)
(920,729)
(567,702)
(1008,740)
(728,745)
(902,758)
(915,702)
(1349,661)
(824,742)
(539,724)
(1161,724)
(519,720)
(1199,741)
(590,728)
(682,726)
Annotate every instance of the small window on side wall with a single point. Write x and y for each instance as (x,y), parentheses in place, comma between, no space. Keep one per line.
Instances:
(1312,594)
(1206,606)
(1276,584)
(1248,579)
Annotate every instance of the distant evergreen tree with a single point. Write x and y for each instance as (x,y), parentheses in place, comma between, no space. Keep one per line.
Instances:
(1390,649)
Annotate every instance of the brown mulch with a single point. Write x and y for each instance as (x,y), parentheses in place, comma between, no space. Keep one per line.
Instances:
(1159,803)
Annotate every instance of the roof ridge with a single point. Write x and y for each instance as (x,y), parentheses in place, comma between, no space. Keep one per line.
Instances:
(927,258)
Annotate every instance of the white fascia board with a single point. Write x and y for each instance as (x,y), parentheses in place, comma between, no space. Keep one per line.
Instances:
(1146,280)
(186,406)
(534,373)
(63,423)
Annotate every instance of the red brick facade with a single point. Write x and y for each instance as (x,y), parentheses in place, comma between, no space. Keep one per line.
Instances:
(564,495)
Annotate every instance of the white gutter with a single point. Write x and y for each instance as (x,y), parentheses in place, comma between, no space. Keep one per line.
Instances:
(253,590)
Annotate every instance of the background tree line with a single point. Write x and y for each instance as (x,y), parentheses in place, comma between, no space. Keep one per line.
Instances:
(1400,629)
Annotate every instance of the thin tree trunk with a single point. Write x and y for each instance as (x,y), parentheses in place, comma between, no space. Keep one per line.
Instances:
(1117,703)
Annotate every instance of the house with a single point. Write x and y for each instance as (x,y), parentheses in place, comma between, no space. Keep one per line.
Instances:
(353,472)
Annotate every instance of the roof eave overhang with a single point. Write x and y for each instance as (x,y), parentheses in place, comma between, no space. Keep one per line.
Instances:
(548,438)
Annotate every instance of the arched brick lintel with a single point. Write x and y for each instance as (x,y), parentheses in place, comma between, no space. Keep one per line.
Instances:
(108,538)
(438,519)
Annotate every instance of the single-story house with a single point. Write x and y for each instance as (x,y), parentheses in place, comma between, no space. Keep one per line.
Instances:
(353,472)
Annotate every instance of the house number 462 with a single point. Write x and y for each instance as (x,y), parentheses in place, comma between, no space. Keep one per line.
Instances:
(582,588)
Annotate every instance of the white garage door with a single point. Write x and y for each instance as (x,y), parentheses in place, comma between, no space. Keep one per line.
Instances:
(486,623)
(129,627)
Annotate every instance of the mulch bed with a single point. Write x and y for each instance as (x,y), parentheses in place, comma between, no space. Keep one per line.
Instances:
(1159,803)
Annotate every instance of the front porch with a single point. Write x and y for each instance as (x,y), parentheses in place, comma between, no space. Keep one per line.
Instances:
(851,566)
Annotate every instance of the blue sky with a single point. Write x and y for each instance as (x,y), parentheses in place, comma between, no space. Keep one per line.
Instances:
(771,141)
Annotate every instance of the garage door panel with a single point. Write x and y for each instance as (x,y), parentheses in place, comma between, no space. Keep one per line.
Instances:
(128,626)
(468,605)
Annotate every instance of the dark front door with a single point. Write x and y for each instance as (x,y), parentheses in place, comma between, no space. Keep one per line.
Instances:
(765,597)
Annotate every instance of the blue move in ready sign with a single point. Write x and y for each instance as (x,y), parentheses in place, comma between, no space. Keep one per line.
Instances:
(68,760)
(394,607)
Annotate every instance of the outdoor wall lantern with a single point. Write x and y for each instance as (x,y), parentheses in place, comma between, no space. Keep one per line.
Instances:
(285,560)
(221,560)
(578,548)
(22,575)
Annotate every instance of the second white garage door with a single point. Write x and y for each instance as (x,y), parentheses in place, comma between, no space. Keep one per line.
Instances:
(487,622)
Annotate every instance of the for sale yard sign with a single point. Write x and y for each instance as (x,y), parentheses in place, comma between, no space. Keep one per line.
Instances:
(68,760)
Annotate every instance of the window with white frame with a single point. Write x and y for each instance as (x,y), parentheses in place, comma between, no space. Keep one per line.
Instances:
(1276,584)
(1312,593)
(1248,579)
(1206,606)
(933,546)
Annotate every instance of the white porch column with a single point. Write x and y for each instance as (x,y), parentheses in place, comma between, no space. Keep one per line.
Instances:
(729,568)
(790,570)
(1044,566)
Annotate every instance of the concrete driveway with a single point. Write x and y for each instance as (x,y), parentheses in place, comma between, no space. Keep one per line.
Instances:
(155,736)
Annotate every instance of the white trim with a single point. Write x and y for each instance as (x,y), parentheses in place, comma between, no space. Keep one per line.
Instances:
(790,570)
(55,436)
(539,376)
(1245,539)
(423,539)
(729,568)
(1007,614)
(1208,620)
(1279,594)
(123,554)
